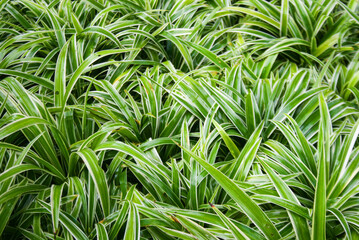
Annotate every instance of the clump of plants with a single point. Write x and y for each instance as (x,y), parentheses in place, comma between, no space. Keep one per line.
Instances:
(166,119)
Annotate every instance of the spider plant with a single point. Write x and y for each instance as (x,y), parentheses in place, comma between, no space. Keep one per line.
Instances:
(154,119)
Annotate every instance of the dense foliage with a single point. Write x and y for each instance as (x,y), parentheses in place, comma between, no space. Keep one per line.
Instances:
(179,119)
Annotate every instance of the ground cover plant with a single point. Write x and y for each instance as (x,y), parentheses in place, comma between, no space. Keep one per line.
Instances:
(191,119)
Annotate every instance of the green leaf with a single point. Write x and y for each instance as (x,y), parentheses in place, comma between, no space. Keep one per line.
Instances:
(284,18)
(19,125)
(253,13)
(59,33)
(60,76)
(197,230)
(56,192)
(248,206)
(132,231)
(352,14)
(227,140)
(341,218)
(300,224)
(208,54)
(17,191)
(39,80)
(98,176)
(101,232)
(103,32)
(13,171)
(184,51)
(68,222)
(319,210)
(237,233)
